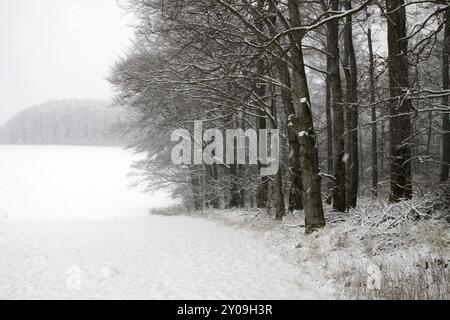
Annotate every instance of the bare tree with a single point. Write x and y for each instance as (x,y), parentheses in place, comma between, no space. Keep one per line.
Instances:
(337,108)
(373,108)
(446,86)
(352,114)
(400,106)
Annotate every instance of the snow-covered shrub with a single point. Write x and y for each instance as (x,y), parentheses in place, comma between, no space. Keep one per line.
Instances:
(398,278)
(392,250)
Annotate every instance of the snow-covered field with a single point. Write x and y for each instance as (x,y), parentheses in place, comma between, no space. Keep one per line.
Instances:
(70,182)
(71,229)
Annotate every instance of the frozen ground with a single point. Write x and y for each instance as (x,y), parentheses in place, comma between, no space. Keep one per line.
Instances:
(398,251)
(70,229)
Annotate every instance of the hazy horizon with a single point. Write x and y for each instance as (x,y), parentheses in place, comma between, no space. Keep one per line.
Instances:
(58,49)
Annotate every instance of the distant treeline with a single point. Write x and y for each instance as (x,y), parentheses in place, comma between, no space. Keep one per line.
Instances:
(71,122)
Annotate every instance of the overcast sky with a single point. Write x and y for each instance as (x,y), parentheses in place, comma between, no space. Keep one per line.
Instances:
(58,49)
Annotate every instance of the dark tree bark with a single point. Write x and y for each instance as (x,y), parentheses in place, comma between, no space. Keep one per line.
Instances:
(384,140)
(303,122)
(281,69)
(445,86)
(278,194)
(400,107)
(212,178)
(295,186)
(237,196)
(196,185)
(351,79)
(262,189)
(429,131)
(373,112)
(339,196)
(329,120)
(237,199)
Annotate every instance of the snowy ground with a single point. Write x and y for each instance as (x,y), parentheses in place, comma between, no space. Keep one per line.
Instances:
(377,251)
(70,229)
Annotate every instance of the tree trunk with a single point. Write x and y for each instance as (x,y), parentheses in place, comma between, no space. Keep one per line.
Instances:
(277,188)
(445,86)
(373,112)
(400,122)
(212,180)
(351,77)
(196,188)
(262,189)
(384,140)
(429,131)
(329,120)
(295,188)
(361,156)
(303,122)
(237,199)
(235,192)
(339,197)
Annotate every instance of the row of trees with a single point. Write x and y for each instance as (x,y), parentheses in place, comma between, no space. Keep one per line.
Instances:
(333,76)
(75,122)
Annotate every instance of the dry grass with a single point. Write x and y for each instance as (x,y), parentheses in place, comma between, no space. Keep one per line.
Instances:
(402,250)
(395,281)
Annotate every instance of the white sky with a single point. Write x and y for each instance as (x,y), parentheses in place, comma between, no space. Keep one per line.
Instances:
(58,49)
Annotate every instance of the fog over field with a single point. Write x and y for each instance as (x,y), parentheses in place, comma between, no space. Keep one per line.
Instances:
(52,50)
(66,122)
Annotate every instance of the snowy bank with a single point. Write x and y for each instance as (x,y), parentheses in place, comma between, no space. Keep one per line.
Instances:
(376,251)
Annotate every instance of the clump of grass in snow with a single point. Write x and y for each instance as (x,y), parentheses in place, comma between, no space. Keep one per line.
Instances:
(393,251)
(399,279)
